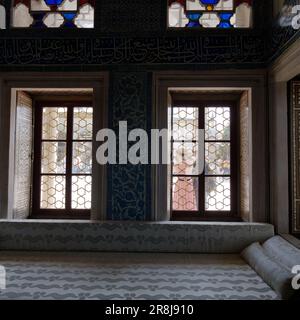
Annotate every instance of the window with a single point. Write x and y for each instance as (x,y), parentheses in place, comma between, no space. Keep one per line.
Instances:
(63,159)
(212,193)
(2,15)
(224,14)
(53,14)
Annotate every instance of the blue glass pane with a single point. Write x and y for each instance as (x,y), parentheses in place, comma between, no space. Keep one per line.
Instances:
(54,2)
(225,16)
(224,25)
(69,16)
(193,20)
(193,24)
(194,16)
(211,2)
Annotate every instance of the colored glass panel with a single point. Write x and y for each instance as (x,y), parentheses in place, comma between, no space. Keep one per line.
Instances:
(222,14)
(53,13)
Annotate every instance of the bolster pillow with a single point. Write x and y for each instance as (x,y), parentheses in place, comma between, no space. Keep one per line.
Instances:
(283,252)
(276,276)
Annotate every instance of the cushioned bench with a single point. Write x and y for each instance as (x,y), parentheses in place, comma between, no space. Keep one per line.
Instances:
(183,271)
(185,237)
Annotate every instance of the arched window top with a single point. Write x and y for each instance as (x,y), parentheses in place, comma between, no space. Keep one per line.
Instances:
(2,15)
(53,13)
(223,14)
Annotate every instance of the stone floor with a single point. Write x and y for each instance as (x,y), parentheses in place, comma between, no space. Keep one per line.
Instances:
(130,276)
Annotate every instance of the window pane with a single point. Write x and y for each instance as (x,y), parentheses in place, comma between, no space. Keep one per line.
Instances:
(53,157)
(185,123)
(217,194)
(81,192)
(39,5)
(85,17)
(68,5)
(177,17)
(83,124)
(21,17)
(209,20)
(184,158)
(217,158)
(53,192)
(54,123)
(53,20)
(185,193)
(82,157)
(217,123)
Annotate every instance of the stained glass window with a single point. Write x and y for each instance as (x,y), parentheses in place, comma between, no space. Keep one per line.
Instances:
(2,15)
(224,14)
(53,13)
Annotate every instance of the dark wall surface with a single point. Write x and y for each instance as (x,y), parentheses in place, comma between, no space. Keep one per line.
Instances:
(129,186)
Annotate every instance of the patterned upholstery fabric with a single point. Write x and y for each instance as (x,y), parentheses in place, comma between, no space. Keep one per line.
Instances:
(283,252)
(199,237)
(130,276)
(272,272)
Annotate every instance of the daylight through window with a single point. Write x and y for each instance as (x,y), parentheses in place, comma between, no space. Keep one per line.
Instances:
(63,158)
(53,13)
(224,14)
(213,192)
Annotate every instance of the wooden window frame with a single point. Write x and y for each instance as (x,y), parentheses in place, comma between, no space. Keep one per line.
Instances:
(68,212)
(201,102)
(216,82)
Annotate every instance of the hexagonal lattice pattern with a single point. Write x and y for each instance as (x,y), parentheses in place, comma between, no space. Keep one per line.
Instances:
(185,193)
(83,123)
(217,194)
(184,158)
(81,192)
(217,148)
(82,157)
(53,192)
(54,123)
(217,158)
(185,123)
(217,123)
(60,168)
(53,157)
